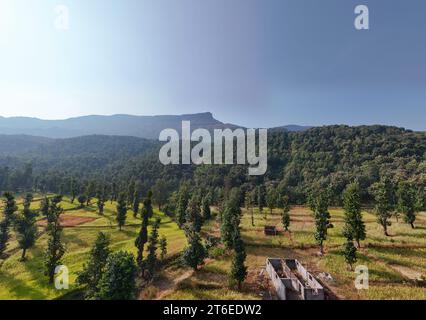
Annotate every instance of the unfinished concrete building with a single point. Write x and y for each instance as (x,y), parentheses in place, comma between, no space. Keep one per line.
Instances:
(292,281)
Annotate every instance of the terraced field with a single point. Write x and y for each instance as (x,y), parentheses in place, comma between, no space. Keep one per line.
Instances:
(26,280)
(397,264)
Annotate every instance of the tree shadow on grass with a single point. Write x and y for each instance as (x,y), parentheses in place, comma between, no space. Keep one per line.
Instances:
(390,275)
(76,294)
(404,252)
(131,233)
(72,238)
(200,290)
(378,269)
(419,235)
(383,276)
(20,288)
(35,286)
(109,211)
(35,267)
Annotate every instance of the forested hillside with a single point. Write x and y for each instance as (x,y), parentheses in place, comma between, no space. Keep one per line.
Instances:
(337,155)
(298,162)
(17,144)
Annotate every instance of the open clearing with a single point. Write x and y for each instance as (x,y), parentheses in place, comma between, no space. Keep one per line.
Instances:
(396,263)
(67,221)
(26,280)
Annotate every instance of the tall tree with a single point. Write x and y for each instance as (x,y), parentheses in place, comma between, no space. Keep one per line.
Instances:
(230,220)
(140,242)
(147,209)
(286,212)
(118,282)
(182,205)
(271,199)
(55,249)
(261,198)
(92,271)
(163,248)
(25,227)
(130,193)
(322,220)
(239,270)
(55,210)
(350,252)
(384,196)
(101,200)
(159,193)
(151,259)
(354,225)
(142,238)
(90,192)
(8,216)
(195,253)
(406,204)
(249,206)
(121,211)
(114,192)
(193,214)
(136,202)
(206,208)
(44,206)
(73,189)
(82,200)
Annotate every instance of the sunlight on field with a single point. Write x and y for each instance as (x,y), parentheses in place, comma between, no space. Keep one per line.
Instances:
(395,263)
(26,280)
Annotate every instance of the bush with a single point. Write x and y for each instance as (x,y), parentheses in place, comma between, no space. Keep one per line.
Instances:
(119,280)
(216,252)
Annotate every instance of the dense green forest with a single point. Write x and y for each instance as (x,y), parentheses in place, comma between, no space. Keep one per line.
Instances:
(299,163)
(381,167)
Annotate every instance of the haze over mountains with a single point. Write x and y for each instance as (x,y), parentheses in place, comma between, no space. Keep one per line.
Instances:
(148,127)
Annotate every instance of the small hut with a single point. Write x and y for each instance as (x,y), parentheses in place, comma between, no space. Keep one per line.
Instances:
(271,231)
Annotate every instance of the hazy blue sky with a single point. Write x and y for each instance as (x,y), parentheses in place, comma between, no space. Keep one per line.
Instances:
(250,62)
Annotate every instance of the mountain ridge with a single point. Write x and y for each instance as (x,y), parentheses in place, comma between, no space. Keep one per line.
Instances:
(148,127)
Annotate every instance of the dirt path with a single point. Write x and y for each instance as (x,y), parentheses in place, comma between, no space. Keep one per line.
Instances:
(407,274)
(168,281)
(167,286)
(68,221)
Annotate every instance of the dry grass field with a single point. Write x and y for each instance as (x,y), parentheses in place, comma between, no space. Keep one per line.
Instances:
(397,264)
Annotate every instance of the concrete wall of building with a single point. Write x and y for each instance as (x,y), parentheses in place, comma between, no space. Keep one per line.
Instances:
(313,290)
(310,290)
(271,265)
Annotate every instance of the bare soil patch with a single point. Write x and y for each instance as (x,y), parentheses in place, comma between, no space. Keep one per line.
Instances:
(407,272)
(68,221)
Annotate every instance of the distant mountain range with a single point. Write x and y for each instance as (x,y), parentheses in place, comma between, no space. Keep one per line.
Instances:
(148,127)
